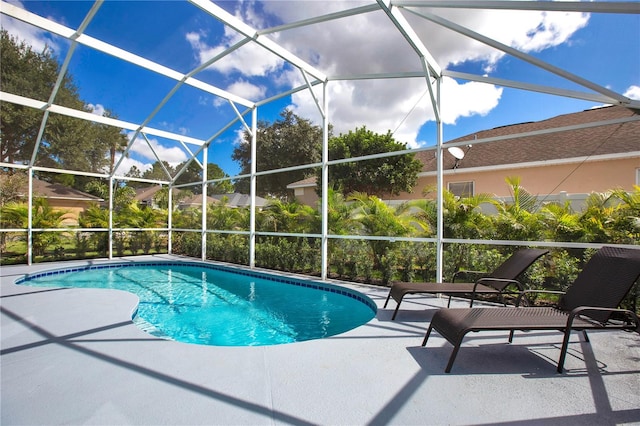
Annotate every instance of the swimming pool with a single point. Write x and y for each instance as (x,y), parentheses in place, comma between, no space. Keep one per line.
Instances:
(210,304)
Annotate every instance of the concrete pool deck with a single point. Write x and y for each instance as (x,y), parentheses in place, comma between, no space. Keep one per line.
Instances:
(73,356)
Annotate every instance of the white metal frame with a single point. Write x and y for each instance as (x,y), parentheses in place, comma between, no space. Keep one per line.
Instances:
(395,10)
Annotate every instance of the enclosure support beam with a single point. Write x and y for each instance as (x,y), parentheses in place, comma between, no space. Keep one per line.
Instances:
(324,243)
(440,198)
(30,218)
(111,192)
(170,221)
(252,188)
(204,205)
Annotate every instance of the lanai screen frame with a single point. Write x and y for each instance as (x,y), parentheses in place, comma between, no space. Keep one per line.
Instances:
(432,73)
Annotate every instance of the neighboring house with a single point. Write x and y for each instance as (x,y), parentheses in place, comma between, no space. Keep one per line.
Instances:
(145,196)
(305,191)
(60,197)
(565,165)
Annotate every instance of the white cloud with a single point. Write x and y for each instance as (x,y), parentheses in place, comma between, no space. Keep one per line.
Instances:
(633,92)
(467,99)
(529,31)
(249,60)
(97,109)
(401,106)
(38,39)
(129,162)
(245,90)
(140,149)
(369,43)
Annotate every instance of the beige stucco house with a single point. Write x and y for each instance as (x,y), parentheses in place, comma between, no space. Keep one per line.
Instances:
(566,165)
(60,197)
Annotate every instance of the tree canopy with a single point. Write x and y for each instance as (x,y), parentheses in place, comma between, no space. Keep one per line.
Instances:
(67,142)
(289,141)
(389,175)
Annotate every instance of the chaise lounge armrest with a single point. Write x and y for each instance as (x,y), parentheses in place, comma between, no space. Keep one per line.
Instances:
(463,272)
(632,318)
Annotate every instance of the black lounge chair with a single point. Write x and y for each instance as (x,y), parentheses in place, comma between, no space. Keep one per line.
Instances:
(589,303)
(496,282)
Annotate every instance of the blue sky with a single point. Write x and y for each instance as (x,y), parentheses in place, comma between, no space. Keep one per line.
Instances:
(604,48)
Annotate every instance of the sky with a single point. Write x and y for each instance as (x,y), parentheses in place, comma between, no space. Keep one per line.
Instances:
(603,48)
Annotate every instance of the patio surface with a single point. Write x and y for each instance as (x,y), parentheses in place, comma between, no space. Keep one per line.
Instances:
(73,356)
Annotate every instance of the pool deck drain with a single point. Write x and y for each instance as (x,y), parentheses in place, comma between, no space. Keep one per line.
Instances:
(73,356)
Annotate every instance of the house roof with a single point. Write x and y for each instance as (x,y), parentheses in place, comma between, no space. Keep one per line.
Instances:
(196,201)
(240,200)
(147,193)
(55,191)
(586,142)
(304,183)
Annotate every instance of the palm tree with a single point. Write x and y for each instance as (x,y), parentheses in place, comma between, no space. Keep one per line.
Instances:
(280,216)
(561,223)
(43,216)
(339,213)
(96,217)
(519,220)
(626,218)
(220,216)
(376,218)
(596,217)
(138,217)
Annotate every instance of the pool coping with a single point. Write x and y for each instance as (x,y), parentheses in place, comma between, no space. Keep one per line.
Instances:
(298,280)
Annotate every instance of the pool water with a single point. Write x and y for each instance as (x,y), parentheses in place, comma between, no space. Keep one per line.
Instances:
(203,304)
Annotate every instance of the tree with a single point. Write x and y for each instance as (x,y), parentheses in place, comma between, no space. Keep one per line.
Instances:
(626,219)
(26,73)
(157,172)
(193,173)
(280,216)
(67,142)
(12,187)
(376,218)
(223,187)
(521,219)
(16,215)
(122,195)
(110,138)
(289,141)
(388,175)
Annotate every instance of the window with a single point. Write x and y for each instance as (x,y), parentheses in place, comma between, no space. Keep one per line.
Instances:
(461,189)
(637,176)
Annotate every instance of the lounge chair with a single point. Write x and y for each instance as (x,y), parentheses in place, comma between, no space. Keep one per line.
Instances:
(589,303)
(496,282)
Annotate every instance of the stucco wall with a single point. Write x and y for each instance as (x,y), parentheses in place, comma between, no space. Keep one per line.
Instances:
(541,180)
(574,178)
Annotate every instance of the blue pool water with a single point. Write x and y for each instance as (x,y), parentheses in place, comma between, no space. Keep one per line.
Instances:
(212,305)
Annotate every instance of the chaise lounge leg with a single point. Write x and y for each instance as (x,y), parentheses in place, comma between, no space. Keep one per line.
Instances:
(563,351)
(396,311)
(387,301)
(426,336)
(452,358)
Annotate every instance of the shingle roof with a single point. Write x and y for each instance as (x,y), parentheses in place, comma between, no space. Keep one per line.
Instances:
(57,191)
(147,193)
(310,181)
(196,201)
(610,139)
(240,200)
